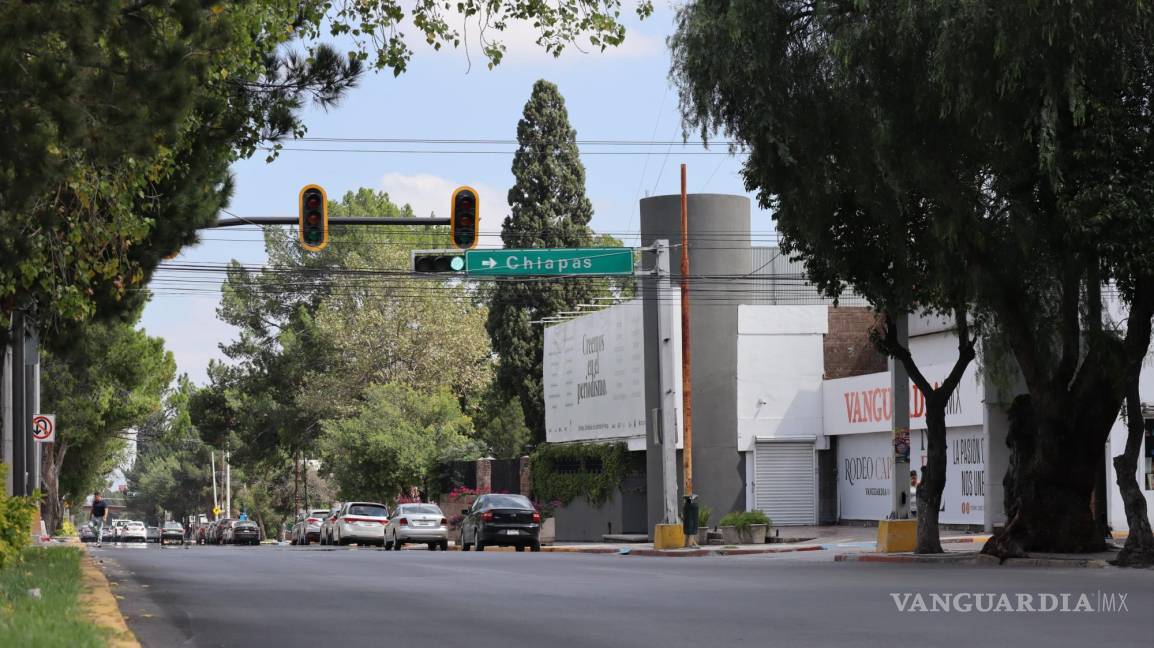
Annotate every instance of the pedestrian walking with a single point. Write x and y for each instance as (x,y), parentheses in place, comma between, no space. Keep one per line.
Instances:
(913,493)
(99,514)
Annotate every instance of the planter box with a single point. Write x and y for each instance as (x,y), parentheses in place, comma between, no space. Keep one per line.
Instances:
(755,534)
(702,537)
(548,531)
(729,535)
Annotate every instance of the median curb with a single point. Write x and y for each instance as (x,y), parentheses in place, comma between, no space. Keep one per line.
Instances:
(100,605)
(933,559)
(971,557)
(1091,563)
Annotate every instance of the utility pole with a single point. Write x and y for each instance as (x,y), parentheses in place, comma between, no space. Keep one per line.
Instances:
(686,375)
(900,387)
(297,484)
(227,483)
(215,498)
(20,414)
(668,431)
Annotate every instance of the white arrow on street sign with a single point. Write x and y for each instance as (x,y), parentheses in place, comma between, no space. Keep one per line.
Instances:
(489,263)
(44,428)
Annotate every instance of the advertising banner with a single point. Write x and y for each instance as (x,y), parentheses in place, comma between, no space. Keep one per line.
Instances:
(594,376)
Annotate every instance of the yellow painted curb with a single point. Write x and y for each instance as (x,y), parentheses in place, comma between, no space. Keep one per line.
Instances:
(100,606)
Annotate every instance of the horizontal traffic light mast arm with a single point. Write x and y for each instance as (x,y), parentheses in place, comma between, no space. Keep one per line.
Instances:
(334,220)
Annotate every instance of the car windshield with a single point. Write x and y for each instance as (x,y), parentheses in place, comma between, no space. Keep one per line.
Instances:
(368,510)
(508,501)
(415,509)
(172,525)
(319,514)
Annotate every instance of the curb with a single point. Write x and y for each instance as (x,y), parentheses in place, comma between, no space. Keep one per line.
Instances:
(1090,563)
(100,605)
(933,559)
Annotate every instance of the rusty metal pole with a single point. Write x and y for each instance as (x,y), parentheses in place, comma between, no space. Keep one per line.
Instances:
(686,383)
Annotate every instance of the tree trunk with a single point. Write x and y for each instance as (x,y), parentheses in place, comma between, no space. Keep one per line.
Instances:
(52,509)
(1053,489)
(1139,548)
(933,480)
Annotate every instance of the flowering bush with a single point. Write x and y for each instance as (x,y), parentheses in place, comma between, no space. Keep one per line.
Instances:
(461,493)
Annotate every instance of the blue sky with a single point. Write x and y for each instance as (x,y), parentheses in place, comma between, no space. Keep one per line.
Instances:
(621,94)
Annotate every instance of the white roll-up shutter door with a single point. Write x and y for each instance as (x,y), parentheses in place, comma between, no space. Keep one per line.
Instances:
(784,482)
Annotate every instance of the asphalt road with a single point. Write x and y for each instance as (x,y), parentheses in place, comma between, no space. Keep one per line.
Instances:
(295,596)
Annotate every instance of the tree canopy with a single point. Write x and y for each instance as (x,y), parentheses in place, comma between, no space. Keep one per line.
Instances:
(394,442)
(549,209)
(1013,138)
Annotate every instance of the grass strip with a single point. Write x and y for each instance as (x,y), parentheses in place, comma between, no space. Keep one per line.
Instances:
(56,617)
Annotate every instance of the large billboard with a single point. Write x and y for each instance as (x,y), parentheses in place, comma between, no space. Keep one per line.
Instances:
(594,376)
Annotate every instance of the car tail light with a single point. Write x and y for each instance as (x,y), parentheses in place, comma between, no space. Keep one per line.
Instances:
(403,522)
(536,517)
(487,516)
(313,520)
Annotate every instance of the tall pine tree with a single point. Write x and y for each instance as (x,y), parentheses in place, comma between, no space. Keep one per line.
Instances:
(549,210)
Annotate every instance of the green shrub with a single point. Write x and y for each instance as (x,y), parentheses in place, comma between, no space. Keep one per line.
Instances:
(16,515)
(703,515)
(68,529)
(742,520)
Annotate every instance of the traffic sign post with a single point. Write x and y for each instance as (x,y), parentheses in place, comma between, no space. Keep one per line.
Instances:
(549,262)
(44,428)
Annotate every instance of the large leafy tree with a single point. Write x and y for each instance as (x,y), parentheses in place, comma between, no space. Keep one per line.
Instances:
(1018,134)
(394,442)
(172,469)
(105,380)
(549,209)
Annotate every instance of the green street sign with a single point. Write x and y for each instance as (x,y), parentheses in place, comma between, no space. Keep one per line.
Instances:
(549,262)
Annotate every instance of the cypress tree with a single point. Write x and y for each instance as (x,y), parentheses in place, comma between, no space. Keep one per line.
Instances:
(549,209)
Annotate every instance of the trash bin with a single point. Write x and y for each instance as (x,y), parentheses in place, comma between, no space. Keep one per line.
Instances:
(689,515)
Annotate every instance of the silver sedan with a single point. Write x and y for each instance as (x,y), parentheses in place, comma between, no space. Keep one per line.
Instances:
(417,524)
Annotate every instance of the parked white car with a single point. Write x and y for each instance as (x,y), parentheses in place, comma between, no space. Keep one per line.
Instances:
(361,523)
(417,524)
(134,532)
(116,530)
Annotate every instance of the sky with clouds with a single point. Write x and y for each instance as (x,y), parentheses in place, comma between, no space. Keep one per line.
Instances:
(620,94)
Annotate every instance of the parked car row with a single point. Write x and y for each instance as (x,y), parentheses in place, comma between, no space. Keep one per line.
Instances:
(494,520)
(230,531)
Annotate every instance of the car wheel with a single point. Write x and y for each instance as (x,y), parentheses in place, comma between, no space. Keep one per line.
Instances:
(444,545)
(432,546)
(520,548)
(478,541)
(536,546)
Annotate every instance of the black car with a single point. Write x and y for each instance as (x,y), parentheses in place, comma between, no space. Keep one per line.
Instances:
(244,532)
(172,532)
(501,521)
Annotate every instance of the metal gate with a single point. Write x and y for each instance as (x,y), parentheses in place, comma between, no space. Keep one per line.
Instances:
(783,486)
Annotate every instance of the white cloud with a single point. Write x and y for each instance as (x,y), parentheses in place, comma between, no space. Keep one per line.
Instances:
(428,193)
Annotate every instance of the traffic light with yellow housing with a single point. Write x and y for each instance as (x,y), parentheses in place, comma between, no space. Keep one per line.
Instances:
(465,218)
(314,218)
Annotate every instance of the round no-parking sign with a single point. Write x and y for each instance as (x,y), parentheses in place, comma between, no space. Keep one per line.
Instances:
(44,428)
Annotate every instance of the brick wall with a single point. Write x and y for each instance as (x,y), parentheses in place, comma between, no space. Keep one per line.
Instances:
(848,351)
